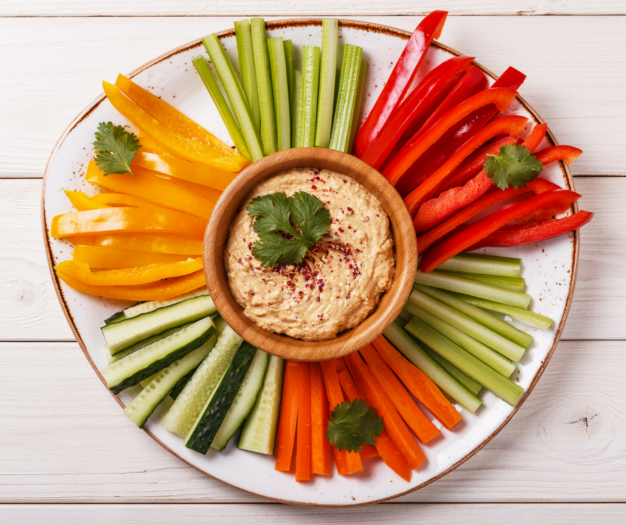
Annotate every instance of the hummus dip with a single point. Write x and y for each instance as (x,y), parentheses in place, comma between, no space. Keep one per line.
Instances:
(342,277)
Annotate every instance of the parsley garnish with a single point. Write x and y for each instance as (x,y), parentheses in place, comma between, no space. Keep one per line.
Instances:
(352,425)
(115,148)
(512,166)
(287,226)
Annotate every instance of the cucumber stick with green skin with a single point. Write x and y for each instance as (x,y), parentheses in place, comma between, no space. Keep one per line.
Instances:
(245,54)
(328,72)
(346,98)
(212,416)
(123,335)
(150,306)
(244,400)
(358,104)
(295,106)
(182,415)
(258,433)
(280,90)
(141,364)
(181,384)
(307,114)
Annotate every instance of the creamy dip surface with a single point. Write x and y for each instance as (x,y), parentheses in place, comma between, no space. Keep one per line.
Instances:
(342,277)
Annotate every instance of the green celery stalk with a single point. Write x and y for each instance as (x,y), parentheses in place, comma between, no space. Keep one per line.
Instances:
(491,358)
(235,94)
(404,317)
(473,386)
(358,104)
(414,353)
(483,264)
(264,85)
(248,71)
(280,85)
(289,64)
(328,71)
(308,108)
(472,328)
(501,386)
(525,316)
(295,107)
(346,98)
(469,287)
(477,314)
(222,106)
(517,284)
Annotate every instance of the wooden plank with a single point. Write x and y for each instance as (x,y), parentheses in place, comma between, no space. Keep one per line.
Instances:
(70,443)
(56,67)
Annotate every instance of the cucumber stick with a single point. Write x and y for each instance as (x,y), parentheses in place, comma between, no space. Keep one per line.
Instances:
(182,416)
(328,72)
(295,107)
(280,90)
(259,430)
(346,98)
(214,412)
(123,335)
(358,104)
(264,85)
(181,384)
(244,400)
(150,306)
(248,71)
(307,115)
(235,94)
(161,353)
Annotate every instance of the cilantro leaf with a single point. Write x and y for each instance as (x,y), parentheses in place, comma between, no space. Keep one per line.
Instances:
(512,166)
(115,148)
(352,425)
(287,226)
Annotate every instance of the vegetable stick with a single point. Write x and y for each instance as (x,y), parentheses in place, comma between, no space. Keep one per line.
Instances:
(358,104)
(280,88)
(143,242)
(320,447)
(341,364)
(105,257)
(303,434)
(483,265)
(287,423)
(346,98)
(308,103)
(210,194)
(82,202)
(248,71)
(328,71)
(121,200)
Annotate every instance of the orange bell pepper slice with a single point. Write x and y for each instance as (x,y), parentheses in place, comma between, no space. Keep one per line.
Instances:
(203,147)
(82,202)
(108,258)
(143,242)
(130,220)
(121,200)
(152,188)
(146,292)
(207,192)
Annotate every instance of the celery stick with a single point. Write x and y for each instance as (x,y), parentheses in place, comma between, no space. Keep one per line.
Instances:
(498,362)
(264,85)
(483,264)
(280,86)
(517,284)
(295,107)
(358,104)
(414,353)
(222,106)
(473,386)
(469,326)
(468,287)
(346,98)
(501,386)
(248,71)
(308,97)
(485,318)
(328,71)
(235,93)
(404,317)
(525,316)
(289,64)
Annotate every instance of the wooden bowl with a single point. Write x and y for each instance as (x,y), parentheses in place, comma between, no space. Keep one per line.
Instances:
(391,303)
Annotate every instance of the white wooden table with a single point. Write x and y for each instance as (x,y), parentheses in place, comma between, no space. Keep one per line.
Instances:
(67,453)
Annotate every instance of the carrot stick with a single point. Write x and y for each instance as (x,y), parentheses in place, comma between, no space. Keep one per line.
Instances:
(418,383)
(421,426)
(288,417)
(320,447)
(376,397)
(303,435)
(341,364)
(335,396)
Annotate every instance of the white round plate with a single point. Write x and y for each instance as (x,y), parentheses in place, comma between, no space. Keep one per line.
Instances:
(549,270)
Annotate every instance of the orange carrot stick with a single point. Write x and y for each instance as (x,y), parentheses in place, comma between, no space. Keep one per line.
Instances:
(421,426)
(376,397)
(418,383)
(288,417)
(303,436)
(320,447)
(341,364)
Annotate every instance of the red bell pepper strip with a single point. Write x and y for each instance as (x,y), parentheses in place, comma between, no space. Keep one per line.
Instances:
(472,234)
(535,137)
(536,233)
(458,134)
(411,114)
(553,153)
(511,125)
(400,79)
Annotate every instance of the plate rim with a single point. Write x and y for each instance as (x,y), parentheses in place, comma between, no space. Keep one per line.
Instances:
(304,22)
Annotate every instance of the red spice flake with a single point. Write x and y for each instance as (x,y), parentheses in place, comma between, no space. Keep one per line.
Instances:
(350,210)
(313,187)
(270,304)
(349,296)
(341,230)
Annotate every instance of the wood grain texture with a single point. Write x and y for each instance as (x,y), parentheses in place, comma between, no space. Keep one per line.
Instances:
(391,303)
(578,88)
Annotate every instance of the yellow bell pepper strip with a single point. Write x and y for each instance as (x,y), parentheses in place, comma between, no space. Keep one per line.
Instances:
(122,200)
(208,193)
(147,292)
(109,258)
(82,202)
(148,186)
(144,242)
(197,149)
(130,220)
